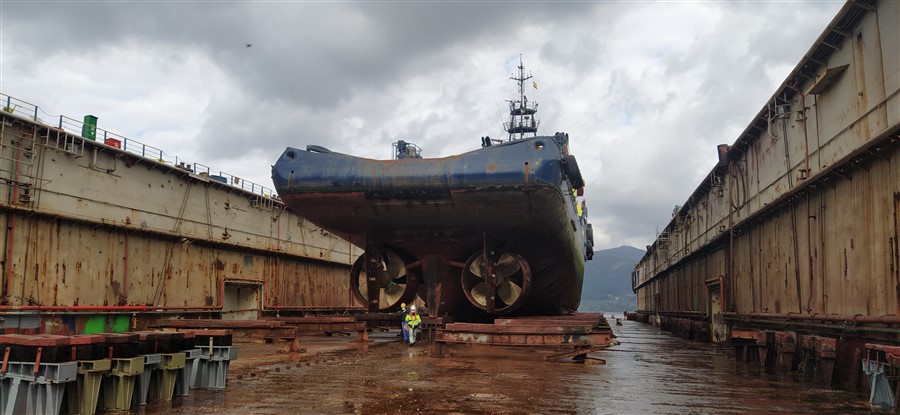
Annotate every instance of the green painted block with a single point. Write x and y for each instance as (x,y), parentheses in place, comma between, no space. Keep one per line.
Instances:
(95,324)
(121,324)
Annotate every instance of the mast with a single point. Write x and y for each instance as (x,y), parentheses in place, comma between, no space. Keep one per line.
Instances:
(521,111)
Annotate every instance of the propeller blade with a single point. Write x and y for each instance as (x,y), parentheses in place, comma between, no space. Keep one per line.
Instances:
(363,286)
(392,293)
(507,265)
(395,268)
(477,266)
(509,292)
(479,293)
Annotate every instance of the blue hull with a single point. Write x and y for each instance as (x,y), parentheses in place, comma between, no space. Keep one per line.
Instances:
(435,213)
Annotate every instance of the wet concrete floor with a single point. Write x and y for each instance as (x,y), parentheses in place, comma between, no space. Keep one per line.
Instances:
(650,372)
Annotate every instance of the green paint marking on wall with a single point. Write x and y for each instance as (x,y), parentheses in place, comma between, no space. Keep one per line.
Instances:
(121,324)
(95,324)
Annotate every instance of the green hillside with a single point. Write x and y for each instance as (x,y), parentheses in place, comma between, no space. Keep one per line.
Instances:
(607,280)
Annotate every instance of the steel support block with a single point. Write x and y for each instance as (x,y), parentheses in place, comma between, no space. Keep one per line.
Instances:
(826,353)
(162,385)
(142,386)
(25,389)
(765,341)
(882,368)
(186,374)
(118,386)
(84,393)
(212,366)
(786,349)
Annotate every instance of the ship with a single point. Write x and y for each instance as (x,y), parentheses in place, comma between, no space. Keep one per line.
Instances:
(501,230)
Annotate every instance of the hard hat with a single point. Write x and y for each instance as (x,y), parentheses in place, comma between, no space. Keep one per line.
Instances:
(412,308)
(402,305)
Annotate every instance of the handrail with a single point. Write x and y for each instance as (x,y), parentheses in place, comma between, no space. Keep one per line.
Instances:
(25,109)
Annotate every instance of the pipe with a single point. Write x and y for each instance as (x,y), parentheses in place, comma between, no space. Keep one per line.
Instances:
(822,263)
(857,318)
(729,266)
(217,307)
(100,308)
(277,262)
(125,276)
(314,308)
(14,199)
(7,263)
(807,173)
(803,125)
(809,256)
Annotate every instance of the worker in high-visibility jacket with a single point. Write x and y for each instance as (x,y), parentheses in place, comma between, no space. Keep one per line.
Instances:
(403,322)
(412,321)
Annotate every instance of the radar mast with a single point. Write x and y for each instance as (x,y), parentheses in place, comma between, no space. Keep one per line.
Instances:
(521,112)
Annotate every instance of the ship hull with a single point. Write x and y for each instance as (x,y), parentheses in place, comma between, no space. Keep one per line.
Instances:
(437,213)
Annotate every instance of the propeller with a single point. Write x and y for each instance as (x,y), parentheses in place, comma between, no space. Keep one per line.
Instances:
(395,286)
(505,266)
(512,277)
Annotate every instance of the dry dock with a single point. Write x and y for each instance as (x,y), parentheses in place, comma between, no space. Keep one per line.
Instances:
(783,267)
(651,372)
(790,247)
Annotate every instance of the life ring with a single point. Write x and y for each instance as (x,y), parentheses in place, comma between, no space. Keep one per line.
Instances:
(571,170)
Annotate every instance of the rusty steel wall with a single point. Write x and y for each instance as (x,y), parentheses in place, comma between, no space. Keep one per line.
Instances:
(801,213)
(90,225)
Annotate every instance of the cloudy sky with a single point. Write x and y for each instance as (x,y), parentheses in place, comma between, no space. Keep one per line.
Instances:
(645,89)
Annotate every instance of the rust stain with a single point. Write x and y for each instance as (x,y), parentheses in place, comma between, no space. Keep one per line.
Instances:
(116,288)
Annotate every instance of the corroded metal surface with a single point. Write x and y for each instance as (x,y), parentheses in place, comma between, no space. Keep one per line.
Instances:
(795,233)
(89,228)
(801,217)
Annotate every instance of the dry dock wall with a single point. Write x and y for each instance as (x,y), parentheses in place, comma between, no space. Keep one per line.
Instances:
(91,228)
(798,225)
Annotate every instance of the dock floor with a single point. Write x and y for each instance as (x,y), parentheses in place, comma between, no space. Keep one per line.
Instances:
(650,372)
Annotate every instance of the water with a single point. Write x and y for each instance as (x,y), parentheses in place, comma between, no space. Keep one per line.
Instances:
(650,372)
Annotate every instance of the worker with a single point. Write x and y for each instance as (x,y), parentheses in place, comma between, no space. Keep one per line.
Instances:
(412,320)
(403,322)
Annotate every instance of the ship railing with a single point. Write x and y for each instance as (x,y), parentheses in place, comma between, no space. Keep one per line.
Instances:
(230,179)
(265,196)
(529,123)
(523,107)
(15,106)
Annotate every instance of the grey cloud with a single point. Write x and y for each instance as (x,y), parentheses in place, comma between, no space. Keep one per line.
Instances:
(433,73)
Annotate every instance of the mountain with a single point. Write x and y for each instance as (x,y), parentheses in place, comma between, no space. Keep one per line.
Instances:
(607,280)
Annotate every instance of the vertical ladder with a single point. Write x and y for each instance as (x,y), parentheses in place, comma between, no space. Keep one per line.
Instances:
(17,160)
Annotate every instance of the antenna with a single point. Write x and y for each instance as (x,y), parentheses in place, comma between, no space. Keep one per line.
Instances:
(521,115)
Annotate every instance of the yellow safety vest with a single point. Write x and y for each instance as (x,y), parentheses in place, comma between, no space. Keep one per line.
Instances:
(413,320)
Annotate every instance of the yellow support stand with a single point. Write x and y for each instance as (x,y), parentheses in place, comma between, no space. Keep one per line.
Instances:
(119,386)
(163,386)
(85,391)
